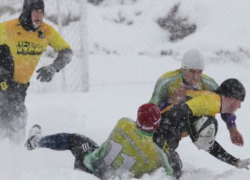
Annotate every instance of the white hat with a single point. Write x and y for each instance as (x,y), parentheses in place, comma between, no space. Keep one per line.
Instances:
(206,129)
(193,59)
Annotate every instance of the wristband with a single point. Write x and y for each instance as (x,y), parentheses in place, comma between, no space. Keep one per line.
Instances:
(164,104)
(229,119)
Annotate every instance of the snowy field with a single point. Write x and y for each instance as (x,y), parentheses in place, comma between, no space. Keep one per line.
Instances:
(94,114)
(222,25)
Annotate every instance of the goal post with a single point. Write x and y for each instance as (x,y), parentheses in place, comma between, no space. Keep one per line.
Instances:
(71,16)
(84,51)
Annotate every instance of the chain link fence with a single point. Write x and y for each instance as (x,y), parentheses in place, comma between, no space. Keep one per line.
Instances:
(135,41)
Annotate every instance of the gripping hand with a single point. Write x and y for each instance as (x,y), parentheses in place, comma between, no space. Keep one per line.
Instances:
(179,96)
(46,73)
(243,164)
(236,137)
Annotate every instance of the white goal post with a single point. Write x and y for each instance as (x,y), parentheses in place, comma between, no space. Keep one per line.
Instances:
(70,18)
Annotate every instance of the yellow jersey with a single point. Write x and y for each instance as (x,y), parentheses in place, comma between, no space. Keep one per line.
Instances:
(127,149)
(27,46)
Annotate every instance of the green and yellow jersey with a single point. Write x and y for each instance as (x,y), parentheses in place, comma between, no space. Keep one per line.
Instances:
(128,149)
(169,82)
(27,46)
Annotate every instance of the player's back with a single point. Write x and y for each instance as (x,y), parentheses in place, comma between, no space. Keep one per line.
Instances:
(127,149)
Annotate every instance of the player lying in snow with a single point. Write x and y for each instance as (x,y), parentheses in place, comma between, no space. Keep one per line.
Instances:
(186,119)
(129,149)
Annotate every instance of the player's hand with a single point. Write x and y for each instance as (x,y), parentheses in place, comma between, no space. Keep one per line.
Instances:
(179,96)
(243,163)
(236,137)
(46,73)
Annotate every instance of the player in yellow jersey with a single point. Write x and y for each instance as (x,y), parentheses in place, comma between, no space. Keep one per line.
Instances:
(129,151)
(197,114)
(22,43)
(171,87)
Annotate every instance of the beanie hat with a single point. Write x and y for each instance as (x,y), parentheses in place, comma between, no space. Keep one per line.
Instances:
(193,59)
(25,17)
(232,88)
(148,117)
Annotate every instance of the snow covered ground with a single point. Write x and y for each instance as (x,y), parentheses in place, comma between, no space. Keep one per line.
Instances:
(222,25)
(94,114)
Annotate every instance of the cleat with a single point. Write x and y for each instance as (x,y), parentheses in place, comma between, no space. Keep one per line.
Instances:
(34,135)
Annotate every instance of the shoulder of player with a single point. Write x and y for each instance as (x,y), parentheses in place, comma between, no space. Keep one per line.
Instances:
(125,121)
(206,95)
(125,125)
(212,95)
(13,22)
(209,82)
(46,27)
(207,78)
(170,77)
(171,74)
(10,26)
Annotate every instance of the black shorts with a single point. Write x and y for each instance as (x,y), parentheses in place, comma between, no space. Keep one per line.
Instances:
(80,145)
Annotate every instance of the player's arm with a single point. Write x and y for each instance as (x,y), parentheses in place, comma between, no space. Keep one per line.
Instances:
(65,53)
(64,50)
(63,58)
(235,135)
(229,119)
(6,68)
(162,99)
(165,163)
(177,114)
(172,123)
(46,73)
(209,83)
(217,151)
(160,95)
